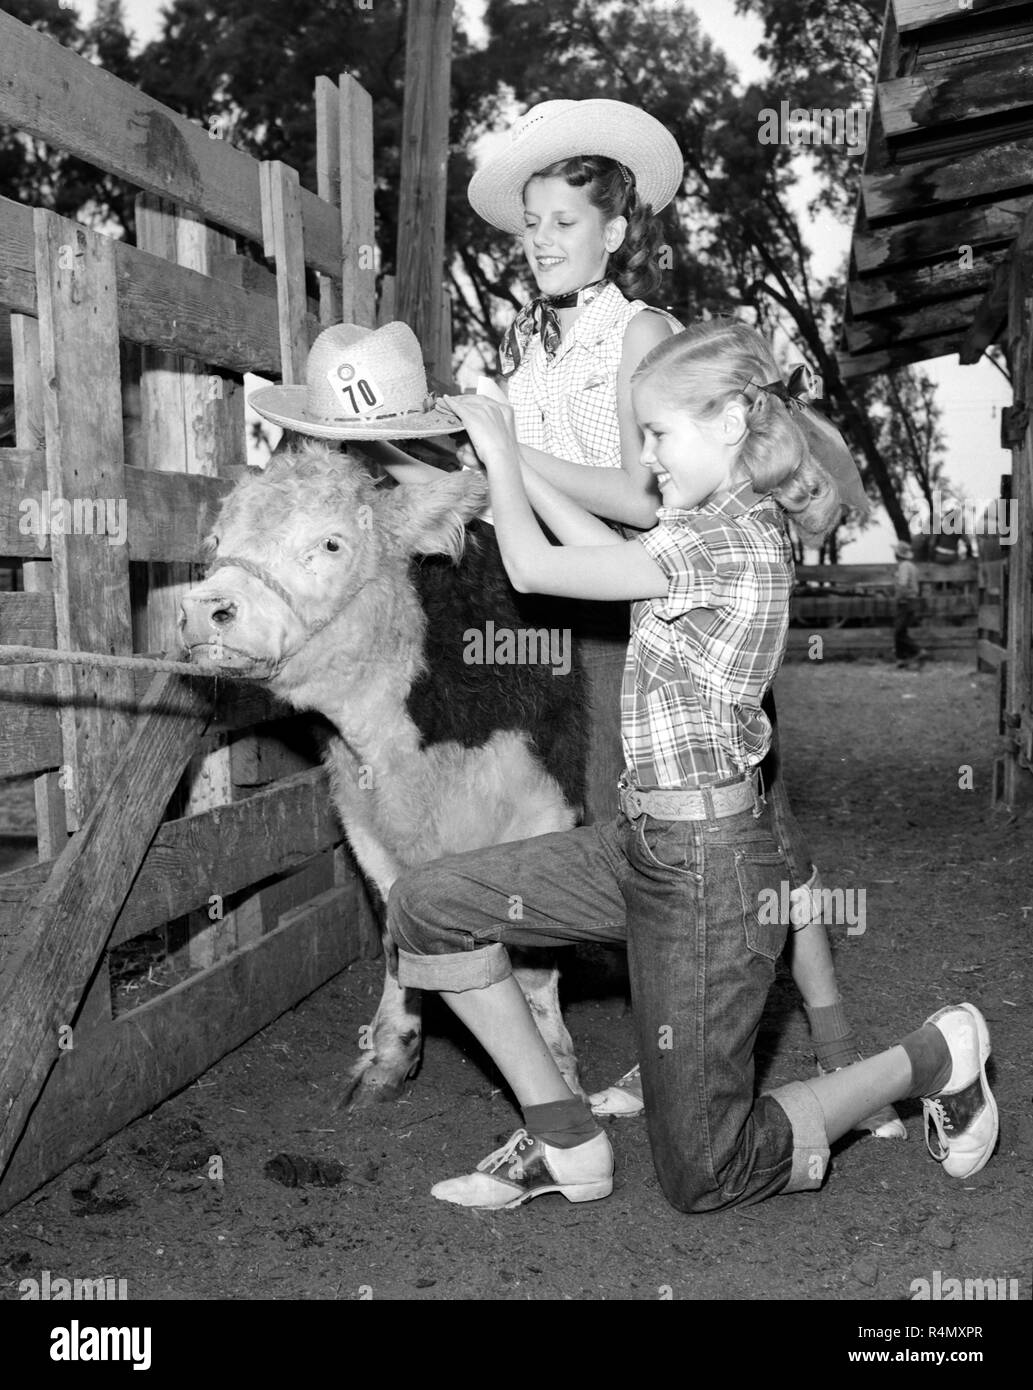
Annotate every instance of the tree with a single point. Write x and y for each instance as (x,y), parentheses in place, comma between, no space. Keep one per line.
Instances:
(826,57)
(911,435)
(31,172)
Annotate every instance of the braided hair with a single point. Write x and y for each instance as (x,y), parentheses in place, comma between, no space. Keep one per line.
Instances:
(634,267)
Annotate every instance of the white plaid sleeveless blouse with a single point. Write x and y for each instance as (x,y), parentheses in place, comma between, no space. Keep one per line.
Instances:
(568,407)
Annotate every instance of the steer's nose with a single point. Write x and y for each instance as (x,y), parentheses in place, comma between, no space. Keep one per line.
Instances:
(199,614)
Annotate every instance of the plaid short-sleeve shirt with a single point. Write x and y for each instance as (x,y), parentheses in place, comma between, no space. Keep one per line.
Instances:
(568,407)
(701,659)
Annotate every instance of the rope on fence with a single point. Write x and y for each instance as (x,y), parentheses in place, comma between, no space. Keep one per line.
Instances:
(30,656)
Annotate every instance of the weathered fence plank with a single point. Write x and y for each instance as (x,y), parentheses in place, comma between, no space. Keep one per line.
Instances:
(358,282)
(160,304)
(421,197)
(68,924)
(79,107)
(328,184)
(129,1065)
(168,514)
(82,410)
(281,218)
(225,849)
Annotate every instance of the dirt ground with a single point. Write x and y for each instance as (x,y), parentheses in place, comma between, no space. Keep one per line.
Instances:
(875,758)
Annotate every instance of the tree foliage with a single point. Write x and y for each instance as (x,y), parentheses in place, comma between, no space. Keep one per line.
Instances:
(30,171)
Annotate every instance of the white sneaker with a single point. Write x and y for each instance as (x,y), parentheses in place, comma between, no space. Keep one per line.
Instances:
(526,1167)
(961,1120)
(624,1097)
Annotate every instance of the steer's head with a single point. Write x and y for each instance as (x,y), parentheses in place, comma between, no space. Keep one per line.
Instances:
(305,541)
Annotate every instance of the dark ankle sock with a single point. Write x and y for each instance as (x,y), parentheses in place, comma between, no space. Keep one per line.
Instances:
(930,1058)
(562,1123)
(831,1035)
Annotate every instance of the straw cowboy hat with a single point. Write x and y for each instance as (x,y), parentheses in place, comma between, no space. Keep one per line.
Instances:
(362,383)
(903,550)
(555,130)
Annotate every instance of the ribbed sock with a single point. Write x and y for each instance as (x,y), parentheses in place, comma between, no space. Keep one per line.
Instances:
(831,1035)
(930,1058)
(562,1123)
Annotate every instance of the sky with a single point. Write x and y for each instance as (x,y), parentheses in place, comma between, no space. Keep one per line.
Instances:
(971,397)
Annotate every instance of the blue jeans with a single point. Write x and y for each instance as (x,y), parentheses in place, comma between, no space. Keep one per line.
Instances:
(684,896)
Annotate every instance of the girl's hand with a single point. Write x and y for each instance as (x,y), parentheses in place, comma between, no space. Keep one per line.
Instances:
(466,456)
(491,427)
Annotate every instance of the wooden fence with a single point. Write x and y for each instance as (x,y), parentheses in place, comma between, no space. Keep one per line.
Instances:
(162,812)
(852,608)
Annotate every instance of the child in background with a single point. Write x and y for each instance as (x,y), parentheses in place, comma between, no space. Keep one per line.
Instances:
(679,873)
(905,592)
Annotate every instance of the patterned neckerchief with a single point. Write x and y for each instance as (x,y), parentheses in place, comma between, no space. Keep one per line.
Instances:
(539,318)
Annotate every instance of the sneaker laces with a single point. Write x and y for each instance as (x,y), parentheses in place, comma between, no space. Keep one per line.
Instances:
(509,1153)
(941,1122)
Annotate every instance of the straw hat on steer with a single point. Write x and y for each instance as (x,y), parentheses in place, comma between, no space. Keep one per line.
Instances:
(361,383)
(555,130)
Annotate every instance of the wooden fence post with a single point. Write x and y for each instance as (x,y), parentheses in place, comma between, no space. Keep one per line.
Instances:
(82,411)
(424,173)
(328,183)
(358,249)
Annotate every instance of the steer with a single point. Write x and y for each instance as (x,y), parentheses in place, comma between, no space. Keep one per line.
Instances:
(382,608)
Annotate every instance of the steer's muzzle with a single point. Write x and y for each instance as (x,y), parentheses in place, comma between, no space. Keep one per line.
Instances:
(210,632)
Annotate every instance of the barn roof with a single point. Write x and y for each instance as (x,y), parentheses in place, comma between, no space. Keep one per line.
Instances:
(948,166)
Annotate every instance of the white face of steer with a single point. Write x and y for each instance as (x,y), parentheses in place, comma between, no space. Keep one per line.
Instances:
(296,544)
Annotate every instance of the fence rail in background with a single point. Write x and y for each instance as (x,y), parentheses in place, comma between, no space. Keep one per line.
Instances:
(127,364)
(852,608)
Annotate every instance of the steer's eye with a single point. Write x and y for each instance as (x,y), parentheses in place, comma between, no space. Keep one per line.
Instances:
(331,545)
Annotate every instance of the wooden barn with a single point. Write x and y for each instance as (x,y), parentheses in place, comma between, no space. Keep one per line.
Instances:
(942,262)
(188,880)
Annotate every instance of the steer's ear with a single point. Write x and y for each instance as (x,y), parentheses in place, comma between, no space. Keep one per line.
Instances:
(428,518)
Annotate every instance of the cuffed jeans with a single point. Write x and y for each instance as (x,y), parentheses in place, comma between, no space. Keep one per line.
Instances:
(686,897)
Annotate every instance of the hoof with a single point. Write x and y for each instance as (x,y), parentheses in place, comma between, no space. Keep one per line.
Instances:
(366,1087)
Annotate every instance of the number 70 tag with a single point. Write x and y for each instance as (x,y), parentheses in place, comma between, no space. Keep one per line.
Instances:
(356,395)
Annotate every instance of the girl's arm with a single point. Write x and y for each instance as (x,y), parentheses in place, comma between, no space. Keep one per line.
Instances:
(569,523)
(608,571)
(402,467)
(627,493)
